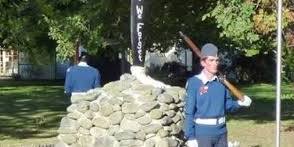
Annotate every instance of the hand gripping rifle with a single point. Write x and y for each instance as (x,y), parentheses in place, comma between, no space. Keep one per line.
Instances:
(231,87)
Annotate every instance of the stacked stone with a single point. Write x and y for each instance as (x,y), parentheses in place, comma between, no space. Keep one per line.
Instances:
(124,113)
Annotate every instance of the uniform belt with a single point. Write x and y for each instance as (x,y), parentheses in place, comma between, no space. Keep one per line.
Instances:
(78,93)
(210,121)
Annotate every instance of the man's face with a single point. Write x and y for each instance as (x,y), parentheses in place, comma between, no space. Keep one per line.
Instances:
(210,64)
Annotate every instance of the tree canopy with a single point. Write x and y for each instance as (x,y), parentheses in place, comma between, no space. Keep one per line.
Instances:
(40,27)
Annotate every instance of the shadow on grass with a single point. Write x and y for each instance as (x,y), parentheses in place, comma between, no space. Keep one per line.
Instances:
(31,109)
(34,109)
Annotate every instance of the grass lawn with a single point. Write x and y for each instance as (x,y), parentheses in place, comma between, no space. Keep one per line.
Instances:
(30,112)
(255,127)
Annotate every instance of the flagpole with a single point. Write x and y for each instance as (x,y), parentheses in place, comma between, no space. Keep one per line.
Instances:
(278,78)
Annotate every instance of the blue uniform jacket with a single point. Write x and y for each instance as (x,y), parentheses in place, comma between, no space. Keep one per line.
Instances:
(213,101)
(81,78)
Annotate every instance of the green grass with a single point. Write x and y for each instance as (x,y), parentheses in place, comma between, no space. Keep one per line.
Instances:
(255,126)
(30,113)
(30,110)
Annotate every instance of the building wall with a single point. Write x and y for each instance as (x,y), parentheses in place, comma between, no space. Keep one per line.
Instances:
(14,63)
(8,62)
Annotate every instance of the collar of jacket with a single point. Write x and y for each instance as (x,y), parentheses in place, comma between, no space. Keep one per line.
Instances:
(83,64)
(204,79)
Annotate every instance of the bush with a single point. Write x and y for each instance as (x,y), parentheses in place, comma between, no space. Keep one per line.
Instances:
(171,73)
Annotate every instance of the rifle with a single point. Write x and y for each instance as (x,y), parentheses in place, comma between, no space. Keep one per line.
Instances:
(236,92)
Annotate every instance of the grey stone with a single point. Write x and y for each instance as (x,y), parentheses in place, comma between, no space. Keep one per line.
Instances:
(152,128)
(68,138)
(172,106)
(97,132)
(156,114)
(76,98)
(94,106)
(182,94)
(163,133)
(89,114)
(116,117)
(145,89)
(106,109)
(140,113)
(75,115)
(181,104)
(83,106)
(113,129)
(149,143)
(127,76)
(162,143)
(101,122)
(84,131)
(166,120)
(116,86)
(171,113)
(75,145)
(115,101)
(150,135)
(126,135)
(85,122)
(156,91)
(164,107)
(140,135)
(110,85)
(128,99)
(135,83)
(130,108)
(136,114)
(106,141)
(180,123)
(68,126)
(175,129)
(116,107)
(147,98)
(103,98)
(131,143)
(72,108)
(91,96)
(86,141)
(165,98)
(148,106)
(172,142)
(130,116)
(176,118)
(145,120)
(174,91)
(60,144)
(130,125)
(167,128)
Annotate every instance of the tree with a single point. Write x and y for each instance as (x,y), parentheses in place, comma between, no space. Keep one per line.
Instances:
(39,26)
(22,28)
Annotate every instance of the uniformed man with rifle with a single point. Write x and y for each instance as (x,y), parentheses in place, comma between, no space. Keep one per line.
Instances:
(207,101)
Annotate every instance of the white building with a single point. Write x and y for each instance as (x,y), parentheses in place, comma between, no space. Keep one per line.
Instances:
(14,64)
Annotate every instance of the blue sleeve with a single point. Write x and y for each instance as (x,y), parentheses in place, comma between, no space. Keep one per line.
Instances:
(97,82)
(190,109)
(231,105)
(68,82)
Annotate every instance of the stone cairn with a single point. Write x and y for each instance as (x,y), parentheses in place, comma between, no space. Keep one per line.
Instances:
(124,113)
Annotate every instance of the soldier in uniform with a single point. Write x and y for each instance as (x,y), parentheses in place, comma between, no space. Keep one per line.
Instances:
(81,77)
(207,102)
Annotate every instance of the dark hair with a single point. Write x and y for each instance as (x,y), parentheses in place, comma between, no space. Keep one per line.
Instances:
(84,57)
